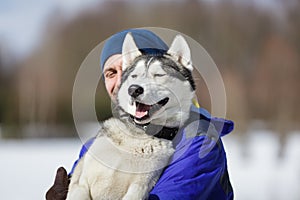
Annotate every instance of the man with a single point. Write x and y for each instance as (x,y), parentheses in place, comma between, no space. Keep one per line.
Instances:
(198,169)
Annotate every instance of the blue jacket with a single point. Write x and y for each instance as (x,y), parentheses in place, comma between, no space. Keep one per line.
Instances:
(198,168)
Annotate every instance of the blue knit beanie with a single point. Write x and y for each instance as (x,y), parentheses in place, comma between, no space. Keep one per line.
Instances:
(146,41)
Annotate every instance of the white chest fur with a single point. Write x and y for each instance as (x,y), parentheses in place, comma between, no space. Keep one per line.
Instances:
(122,163)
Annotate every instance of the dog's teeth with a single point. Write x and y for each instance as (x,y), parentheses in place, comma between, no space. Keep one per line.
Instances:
(131,102)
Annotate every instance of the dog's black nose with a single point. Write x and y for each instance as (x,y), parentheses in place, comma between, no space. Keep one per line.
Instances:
(135,91)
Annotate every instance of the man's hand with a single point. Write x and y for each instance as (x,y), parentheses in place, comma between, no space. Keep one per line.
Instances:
(59,189)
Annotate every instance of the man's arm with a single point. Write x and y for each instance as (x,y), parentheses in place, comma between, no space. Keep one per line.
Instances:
(59,189)
(192,177)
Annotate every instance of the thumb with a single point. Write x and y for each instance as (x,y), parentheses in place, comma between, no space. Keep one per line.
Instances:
(59,189)
(61,178)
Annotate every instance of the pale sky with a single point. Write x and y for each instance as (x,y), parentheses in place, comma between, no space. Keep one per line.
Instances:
(21,22)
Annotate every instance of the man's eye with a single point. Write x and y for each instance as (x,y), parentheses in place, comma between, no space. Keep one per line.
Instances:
(110,74)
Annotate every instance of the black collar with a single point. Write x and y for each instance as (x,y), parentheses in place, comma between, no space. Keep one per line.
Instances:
(167,133)
(164,132)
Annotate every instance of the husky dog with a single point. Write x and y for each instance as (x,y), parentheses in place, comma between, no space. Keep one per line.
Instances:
(127,158)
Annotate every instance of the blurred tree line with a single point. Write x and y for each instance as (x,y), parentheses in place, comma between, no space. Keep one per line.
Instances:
(257,52)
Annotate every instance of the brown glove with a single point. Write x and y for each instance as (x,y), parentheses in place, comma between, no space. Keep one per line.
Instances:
(59,189)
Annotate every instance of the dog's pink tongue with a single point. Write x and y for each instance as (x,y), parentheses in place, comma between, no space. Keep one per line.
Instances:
(141,110)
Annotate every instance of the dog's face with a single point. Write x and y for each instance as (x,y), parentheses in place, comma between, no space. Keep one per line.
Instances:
(157,89)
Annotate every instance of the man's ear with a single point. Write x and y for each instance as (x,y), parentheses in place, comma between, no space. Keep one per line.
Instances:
(129,51)
(180,50)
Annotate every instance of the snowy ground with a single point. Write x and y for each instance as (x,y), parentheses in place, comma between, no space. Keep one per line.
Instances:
(261,175)
(28,167)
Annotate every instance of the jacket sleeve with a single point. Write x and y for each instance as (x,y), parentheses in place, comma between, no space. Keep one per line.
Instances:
(191,176)
(83,150)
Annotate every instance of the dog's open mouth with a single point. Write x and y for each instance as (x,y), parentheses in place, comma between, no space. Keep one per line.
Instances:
(144,111)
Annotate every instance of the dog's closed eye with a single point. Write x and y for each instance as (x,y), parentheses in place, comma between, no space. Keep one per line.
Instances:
(159,75)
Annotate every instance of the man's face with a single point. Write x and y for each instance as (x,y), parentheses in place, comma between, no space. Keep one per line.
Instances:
(112,75)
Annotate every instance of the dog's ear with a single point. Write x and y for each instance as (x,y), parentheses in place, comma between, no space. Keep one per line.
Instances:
(129,51)
(180,50)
